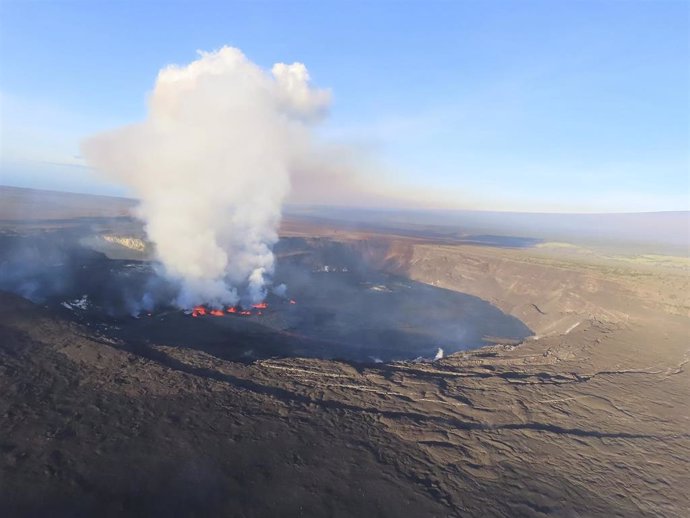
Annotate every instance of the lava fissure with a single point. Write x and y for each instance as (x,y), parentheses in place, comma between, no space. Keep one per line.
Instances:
(255,309)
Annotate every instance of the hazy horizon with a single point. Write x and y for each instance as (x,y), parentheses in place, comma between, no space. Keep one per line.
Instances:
(292,206)
(661,231)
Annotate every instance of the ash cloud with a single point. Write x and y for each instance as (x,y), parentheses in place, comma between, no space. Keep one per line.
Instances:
(211,166)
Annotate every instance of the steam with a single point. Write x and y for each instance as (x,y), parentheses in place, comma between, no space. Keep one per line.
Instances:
(211,164)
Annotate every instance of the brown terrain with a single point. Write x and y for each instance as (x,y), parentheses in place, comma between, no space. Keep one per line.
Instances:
(589,417)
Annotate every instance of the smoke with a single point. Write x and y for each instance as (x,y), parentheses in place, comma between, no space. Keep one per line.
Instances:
(211,165)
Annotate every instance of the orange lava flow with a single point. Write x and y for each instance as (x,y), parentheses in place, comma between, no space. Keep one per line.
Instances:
(198,310)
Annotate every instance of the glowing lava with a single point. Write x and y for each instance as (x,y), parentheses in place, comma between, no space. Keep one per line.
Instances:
(256,309)
(198,311)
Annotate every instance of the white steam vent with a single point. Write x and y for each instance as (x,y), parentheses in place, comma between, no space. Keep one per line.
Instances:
(210,165)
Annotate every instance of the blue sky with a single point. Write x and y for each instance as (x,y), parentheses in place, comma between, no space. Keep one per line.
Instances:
(519,105)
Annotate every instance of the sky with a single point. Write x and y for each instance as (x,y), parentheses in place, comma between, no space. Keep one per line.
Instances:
(539,106)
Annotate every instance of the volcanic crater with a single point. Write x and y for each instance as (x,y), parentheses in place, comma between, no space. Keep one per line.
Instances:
(108,411)
(341,302)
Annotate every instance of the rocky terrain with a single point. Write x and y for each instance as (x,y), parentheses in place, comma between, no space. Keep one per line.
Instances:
(590,417)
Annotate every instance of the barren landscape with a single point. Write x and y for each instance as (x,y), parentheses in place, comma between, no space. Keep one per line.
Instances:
(588,416)
(344,259)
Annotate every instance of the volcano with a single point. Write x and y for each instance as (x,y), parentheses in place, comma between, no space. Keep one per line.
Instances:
(102,372)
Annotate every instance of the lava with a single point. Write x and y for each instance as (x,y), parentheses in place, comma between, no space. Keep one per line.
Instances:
(256,309)
(198,311)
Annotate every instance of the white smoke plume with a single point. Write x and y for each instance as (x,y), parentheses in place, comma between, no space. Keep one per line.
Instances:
(210,165)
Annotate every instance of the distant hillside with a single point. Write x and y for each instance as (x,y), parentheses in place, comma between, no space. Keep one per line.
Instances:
(17,203)
(663,232)
(667,231)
